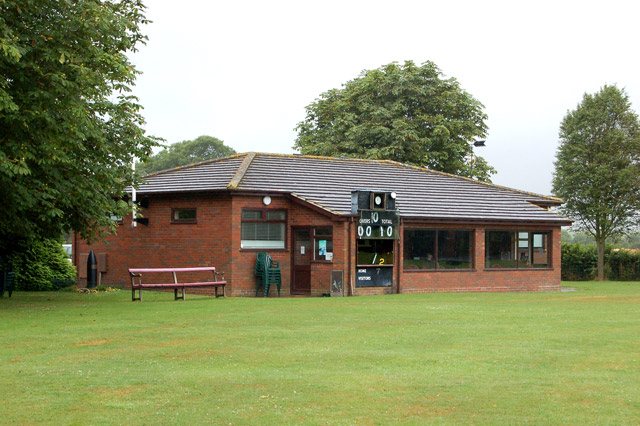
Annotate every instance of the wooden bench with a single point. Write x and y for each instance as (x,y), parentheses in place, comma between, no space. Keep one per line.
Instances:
(137,284)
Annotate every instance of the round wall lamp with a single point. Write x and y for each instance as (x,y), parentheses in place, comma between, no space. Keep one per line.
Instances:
(266,200)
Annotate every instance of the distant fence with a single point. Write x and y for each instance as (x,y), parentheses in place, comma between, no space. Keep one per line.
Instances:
(580,263)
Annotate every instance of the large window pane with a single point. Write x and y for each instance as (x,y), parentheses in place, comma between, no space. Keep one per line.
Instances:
(437,249)
(419,249)
(540,250)
(454,249)
(500,249)
(375,252)
(517,249)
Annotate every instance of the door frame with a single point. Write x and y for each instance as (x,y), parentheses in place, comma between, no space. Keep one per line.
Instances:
(293,261)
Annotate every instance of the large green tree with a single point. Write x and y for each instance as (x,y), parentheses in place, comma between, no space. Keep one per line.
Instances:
(407,113)
(186,152)
(598,166)
(69,127)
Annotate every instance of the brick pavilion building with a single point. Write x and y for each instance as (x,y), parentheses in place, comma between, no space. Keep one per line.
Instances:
(337,226)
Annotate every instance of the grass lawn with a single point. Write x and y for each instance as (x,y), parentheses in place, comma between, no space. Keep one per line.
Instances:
(528,358)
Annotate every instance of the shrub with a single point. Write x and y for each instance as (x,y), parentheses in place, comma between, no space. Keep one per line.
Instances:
(624,265)
(579,262)
(42,265)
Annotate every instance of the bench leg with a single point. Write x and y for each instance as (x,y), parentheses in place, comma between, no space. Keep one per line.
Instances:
(224,293)
(175,293)
(133,294)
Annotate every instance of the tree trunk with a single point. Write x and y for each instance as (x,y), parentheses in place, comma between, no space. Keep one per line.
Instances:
(600,243)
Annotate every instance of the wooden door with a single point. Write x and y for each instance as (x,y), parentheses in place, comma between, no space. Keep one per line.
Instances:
(301,262)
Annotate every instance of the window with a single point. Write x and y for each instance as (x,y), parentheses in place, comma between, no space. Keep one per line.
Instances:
(323,244)
(115,217)
(437,249)
(183,215)
(375,252)
(517,249)
(263,229)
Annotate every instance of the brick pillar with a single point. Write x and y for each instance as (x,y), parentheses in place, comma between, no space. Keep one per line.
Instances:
(479,247)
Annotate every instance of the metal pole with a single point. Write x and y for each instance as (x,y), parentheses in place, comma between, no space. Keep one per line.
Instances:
(133,197)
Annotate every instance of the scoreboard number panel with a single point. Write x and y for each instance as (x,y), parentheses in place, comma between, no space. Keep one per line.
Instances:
(378,225)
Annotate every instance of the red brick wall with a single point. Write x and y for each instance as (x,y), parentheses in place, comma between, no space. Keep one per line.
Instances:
(215,241)
(163,244)
(243,262)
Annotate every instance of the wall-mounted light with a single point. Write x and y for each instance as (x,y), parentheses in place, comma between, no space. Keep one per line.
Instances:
(266,200)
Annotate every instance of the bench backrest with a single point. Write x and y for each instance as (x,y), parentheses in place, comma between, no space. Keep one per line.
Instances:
(151,270)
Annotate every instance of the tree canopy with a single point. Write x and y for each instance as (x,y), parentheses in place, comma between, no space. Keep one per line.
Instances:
(598,166)
(186,152)
(405,113)
(69,127)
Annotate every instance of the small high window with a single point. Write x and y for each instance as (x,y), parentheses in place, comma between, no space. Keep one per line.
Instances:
(183,215)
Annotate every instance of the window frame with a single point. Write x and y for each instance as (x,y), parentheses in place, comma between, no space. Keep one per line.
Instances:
(184,221)
(436,255)
(315,237)
(516,242)
(263,219)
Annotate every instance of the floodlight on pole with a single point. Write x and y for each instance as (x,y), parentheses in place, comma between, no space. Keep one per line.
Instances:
(472,156)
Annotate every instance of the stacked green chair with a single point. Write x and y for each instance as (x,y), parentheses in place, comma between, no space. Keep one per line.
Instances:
(274,276)
(267,272)
(260,270)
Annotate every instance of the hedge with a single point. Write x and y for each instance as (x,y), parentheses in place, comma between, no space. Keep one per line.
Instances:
(580,263)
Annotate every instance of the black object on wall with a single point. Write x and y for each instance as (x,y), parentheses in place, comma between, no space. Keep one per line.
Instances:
(92,270)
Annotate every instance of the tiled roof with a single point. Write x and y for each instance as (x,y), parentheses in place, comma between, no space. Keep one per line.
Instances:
(327,182)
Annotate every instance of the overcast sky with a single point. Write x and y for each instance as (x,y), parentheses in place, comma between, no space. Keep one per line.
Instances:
(243,71)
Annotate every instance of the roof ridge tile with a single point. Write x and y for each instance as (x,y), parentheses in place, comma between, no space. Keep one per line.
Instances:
(242,169)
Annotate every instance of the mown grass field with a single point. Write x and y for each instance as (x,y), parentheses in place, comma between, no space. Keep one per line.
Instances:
(529,358)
